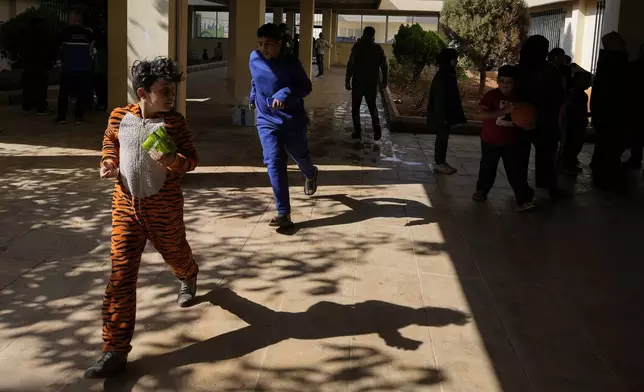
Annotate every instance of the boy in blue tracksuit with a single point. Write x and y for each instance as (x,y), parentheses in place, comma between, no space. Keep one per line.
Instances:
(279,85)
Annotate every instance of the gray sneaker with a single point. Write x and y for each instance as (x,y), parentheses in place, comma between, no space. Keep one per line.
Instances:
(187,293)
(444,168)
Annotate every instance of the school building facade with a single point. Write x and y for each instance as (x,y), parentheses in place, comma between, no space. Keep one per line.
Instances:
(183,28)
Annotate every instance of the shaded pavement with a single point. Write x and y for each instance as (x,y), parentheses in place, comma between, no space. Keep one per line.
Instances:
(394,280)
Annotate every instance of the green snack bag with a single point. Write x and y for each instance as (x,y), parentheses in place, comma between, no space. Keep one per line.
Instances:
(159,141)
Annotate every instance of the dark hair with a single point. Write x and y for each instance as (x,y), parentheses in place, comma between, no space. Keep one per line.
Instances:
(369,32)
(583,78)
(145,73)
(534,50)
(270,30)
(446,56)
(508,71)
(556,52)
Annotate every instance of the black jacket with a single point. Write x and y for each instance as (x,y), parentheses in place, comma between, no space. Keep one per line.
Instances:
(609,102)
(444,105)
(541,84)
(365,65)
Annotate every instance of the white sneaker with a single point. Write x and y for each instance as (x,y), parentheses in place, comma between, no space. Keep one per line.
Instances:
(444,168)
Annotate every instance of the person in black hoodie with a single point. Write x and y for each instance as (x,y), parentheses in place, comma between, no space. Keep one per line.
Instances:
(366,66)
(540,84)
(609,105)
(637,102)
(444,107)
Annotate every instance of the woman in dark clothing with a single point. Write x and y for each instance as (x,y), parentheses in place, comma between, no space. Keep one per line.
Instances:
(540,84)
(444,108)
(609,107)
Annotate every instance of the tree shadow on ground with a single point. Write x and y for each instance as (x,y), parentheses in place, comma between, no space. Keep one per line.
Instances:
(322,320)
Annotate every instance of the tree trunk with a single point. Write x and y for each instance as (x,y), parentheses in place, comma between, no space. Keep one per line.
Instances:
(482,75)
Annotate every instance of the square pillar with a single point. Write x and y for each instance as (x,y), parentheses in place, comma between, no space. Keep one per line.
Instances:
(334,37)
(245,42)
(290,22)
(232,34)
(278,16)
(327,28)
(144,29)
(307,14)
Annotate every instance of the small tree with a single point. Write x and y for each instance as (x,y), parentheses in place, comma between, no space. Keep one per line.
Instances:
(32,37)
(486,30)
(416,48)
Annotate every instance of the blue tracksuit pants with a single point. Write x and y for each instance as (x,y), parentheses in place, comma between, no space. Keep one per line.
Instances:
(276,143)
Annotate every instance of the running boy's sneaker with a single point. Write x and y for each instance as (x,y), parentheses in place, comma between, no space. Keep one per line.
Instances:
(281,221)
(444,168)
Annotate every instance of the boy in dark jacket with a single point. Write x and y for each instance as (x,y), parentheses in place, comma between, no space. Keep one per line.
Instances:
(444,107)
(609,107)
(575,122)
(539,83)
(279,85)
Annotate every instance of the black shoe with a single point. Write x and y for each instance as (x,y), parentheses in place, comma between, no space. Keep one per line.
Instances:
(187,293)
(60,120)
(281,221)
(110,364)
(479,195)
(355,135)
(377,133)
(80,120)
(45,112)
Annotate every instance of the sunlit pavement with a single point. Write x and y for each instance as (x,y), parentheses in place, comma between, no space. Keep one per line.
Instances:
(392,280)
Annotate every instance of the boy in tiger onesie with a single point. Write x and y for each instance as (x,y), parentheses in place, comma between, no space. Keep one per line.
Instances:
(147,203)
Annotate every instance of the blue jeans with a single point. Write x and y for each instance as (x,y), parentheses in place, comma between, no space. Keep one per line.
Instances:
(276,143)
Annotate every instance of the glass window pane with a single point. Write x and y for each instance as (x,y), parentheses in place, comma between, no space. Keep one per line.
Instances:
(297,19)
(349,28)
(207,24)
(222,24)
(429,23)
(379,23)
(394,23)
(317,20)
(268,17)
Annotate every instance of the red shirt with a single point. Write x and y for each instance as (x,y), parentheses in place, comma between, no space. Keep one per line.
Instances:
(499,131)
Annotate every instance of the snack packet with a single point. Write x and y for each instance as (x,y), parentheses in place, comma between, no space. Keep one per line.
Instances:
(159,143)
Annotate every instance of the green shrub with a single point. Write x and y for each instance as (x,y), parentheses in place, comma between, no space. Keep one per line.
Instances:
(31,38)
(416,48)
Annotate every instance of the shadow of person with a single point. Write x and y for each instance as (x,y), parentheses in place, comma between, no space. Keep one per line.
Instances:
(267,327)
(361,210)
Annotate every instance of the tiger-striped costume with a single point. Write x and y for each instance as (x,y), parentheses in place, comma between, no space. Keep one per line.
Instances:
(147,204)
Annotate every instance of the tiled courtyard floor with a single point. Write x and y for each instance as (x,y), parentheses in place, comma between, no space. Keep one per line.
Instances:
(393,281)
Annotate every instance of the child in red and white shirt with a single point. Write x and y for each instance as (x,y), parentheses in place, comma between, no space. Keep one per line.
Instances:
(501,139)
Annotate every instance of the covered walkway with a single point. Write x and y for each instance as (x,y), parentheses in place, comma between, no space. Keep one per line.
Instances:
(394,280)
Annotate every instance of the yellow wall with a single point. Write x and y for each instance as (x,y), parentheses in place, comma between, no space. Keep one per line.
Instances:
(343,52)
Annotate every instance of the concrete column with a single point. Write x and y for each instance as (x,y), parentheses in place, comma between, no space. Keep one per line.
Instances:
(117,60)
(144,29)
(334,37)
(630,25)
(579,12)
(248,21)
(307,13)
(232,35)
(278,15)
(611,16)
(290,21)
(327,27)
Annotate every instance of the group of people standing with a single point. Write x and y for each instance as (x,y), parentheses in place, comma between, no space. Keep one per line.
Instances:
(555,92)
(83,56)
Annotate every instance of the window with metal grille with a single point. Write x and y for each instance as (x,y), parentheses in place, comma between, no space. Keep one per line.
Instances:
(550,24)
(597,36)
(57,6)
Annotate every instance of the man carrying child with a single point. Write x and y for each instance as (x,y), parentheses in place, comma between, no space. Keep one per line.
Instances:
(501,139)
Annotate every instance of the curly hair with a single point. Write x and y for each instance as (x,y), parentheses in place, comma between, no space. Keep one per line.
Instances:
(145,73)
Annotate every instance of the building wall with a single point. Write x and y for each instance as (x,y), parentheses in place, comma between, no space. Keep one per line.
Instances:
(22,5)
